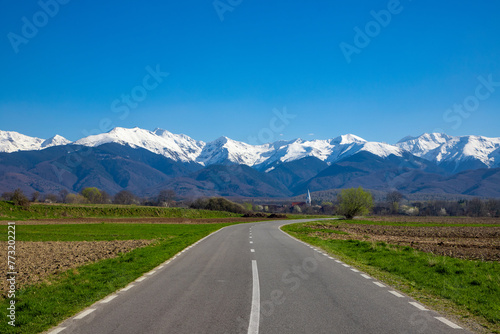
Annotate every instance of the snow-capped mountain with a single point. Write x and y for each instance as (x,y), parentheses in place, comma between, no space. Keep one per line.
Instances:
(225,150)
(175,147)
(228,151)
(146,162)
(459,153)
(453,154)
(55,141)
(11,141)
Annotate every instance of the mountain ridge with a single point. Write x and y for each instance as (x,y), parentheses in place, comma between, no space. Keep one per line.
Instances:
(454,153)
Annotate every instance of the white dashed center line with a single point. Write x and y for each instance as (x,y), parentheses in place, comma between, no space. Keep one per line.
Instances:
(253,324)
(252,250)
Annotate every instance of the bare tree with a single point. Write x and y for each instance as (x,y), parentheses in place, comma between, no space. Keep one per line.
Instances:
(166,197)
(124,197)
(393,199)
(20,199)
(35,197)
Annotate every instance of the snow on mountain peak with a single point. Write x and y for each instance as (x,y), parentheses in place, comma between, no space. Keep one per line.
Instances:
(11,141)
(348,139)
(440,147)
(168,145)
(55,141)
(436,147)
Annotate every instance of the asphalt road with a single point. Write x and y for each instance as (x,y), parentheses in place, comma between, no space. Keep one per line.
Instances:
(254,278)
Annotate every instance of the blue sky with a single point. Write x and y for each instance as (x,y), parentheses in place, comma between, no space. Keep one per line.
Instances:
(72,75)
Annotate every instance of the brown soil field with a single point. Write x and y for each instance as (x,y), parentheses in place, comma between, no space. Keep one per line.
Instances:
(139,221)
(434,219)
(36,260)
(469,242)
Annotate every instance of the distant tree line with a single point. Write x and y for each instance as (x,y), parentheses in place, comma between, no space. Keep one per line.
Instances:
(395,204)
(91,195)
(344,203)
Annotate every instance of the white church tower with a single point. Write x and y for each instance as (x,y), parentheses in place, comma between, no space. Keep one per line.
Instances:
(308,198)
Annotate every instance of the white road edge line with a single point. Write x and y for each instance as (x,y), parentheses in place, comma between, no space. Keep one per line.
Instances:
(366,276)
(345,265)
(140,279)
(57,330)
(448,322)
(127,287)
(84,314)
(355,270)
(396,294)
(379,284)
(420,307)
(110,298)
(253,324)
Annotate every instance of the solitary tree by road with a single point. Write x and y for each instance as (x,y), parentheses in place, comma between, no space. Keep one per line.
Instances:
(354,202)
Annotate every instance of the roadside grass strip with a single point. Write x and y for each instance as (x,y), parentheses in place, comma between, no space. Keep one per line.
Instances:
(464,289)
(8,211)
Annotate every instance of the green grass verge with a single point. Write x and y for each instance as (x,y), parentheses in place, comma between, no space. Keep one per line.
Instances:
(42,306)
(8,211)
(103,231)
(473,286)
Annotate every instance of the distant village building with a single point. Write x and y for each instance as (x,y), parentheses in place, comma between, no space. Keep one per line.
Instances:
(308,198)
(306,203)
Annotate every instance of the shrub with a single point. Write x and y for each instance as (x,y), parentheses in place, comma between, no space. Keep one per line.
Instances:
(354,202)
(20,199)
(218,204)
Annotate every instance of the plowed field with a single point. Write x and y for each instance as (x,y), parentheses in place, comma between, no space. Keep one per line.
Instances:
(465,242)
(35,261)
